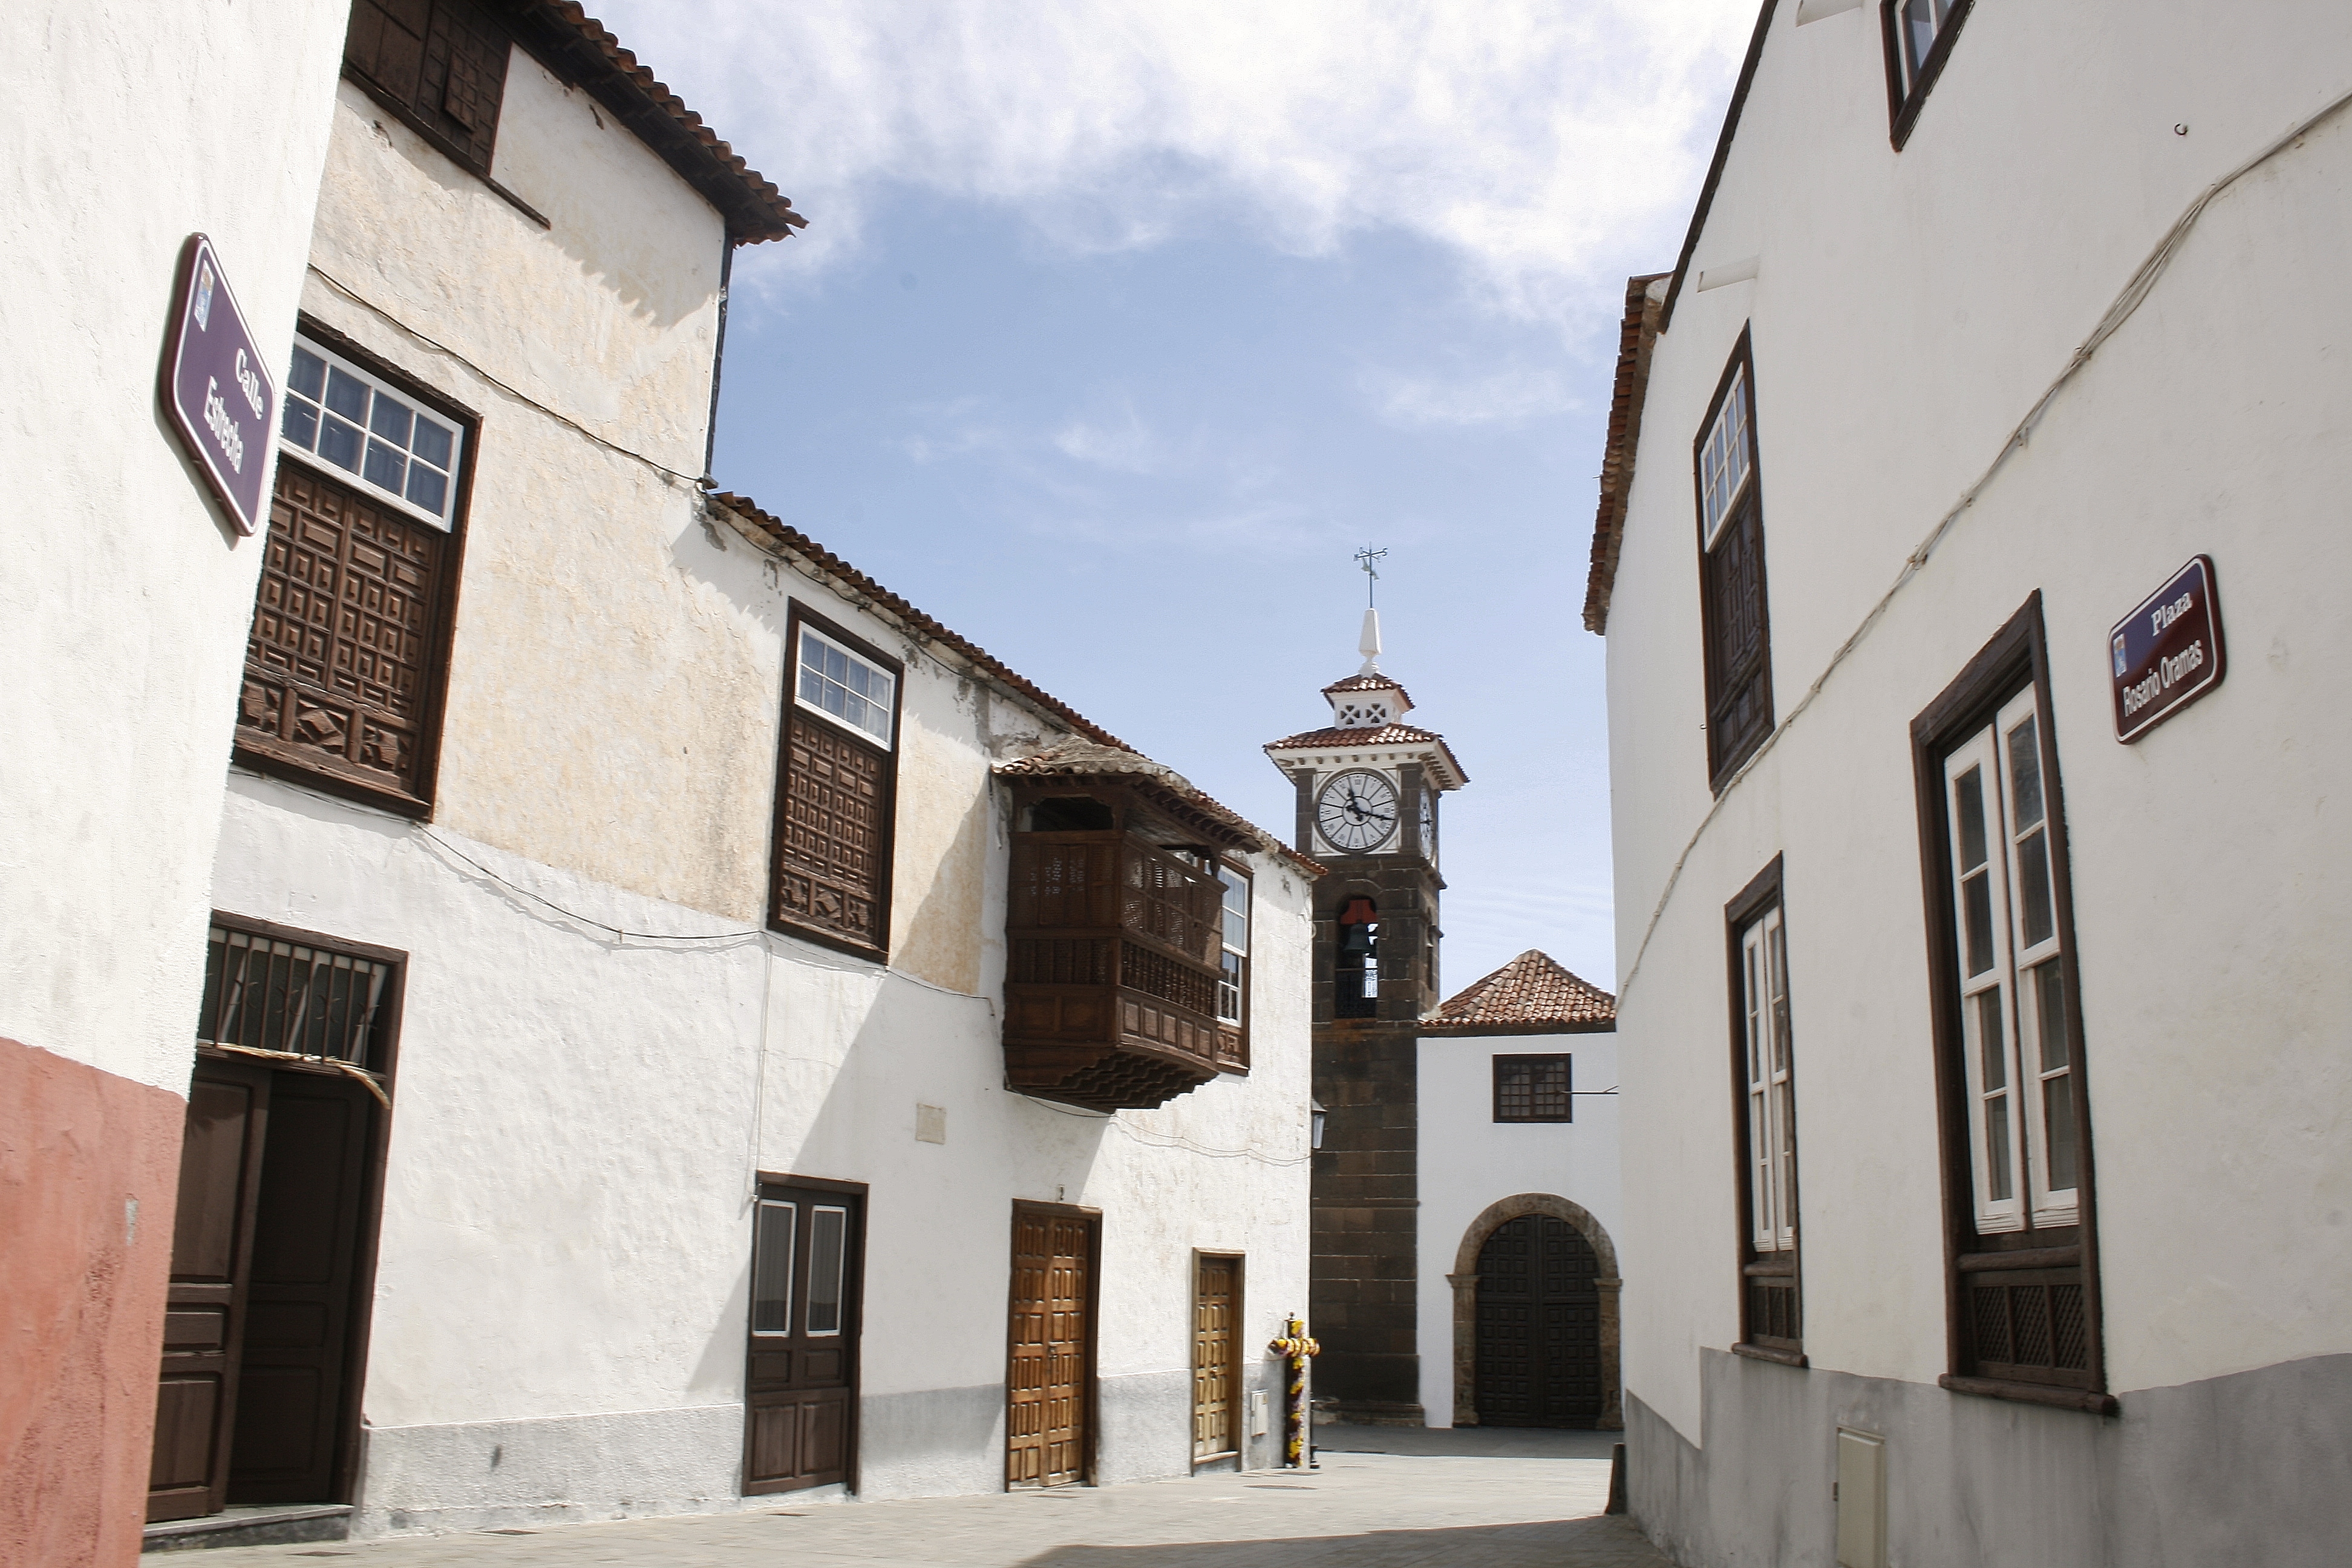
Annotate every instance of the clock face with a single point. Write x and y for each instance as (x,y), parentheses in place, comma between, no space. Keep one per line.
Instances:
(1429,824)
(1357,810)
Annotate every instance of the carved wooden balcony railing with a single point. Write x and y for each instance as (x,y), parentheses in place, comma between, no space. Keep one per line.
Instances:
(1110,985)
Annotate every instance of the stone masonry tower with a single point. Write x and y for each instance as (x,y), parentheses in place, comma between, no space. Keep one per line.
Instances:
(1367,791)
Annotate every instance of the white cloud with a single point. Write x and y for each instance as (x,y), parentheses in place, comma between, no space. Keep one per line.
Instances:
(1525,136)
(1121,443)
(1507,398)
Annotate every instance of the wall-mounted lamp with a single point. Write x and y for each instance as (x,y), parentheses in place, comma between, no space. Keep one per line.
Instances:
(1315,1140)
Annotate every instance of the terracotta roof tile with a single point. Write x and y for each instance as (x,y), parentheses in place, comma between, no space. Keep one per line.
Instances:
(1107,748)
(1643,309)
(1370,683)
(1084,759)
(1530,996)
(1383,735)
(568,38)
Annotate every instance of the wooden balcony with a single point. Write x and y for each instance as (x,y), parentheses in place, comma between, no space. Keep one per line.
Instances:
(1111,986)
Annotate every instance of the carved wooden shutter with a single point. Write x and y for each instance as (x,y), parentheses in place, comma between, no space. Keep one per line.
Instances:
(443,60)
(339,670)
(833,860)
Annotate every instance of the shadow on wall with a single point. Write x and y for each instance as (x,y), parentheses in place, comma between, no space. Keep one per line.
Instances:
(1596,1540)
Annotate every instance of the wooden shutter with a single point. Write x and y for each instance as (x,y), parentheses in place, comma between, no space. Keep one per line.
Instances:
(443,62)
(342,665)
(1739,690)
(832,856)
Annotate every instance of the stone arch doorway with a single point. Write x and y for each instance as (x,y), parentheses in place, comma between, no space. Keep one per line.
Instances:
(1583,1265)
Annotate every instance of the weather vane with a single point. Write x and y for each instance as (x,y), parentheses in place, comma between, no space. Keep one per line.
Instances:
(1369,559)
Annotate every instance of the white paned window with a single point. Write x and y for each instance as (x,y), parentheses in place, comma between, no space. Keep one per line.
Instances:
(828,1261)
(772,1267)
(1772,1090)
(1237,945)
(1917,23)
(1723,457)
(2023,1143)
(838,683)
(345,416)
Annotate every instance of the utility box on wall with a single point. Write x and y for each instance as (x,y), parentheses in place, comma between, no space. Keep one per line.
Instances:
(1861,1499)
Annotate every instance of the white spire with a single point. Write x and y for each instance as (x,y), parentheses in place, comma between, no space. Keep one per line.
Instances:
(1368,645)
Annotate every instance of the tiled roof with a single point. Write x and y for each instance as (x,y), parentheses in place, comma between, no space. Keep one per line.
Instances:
(867,592)
(1370,683)
(1381,735)
(1530,996)
(579,45)
(1106,753)
(1084,759)
(1643,308)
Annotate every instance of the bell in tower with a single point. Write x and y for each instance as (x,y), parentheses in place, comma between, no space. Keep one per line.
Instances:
(1367,788)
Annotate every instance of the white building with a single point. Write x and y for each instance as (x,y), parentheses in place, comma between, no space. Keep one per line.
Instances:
(1517,1284)
(1986,1183)
(125,590)
(690,1025)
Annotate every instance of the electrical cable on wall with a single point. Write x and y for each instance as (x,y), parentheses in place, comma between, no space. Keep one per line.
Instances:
(2134,292)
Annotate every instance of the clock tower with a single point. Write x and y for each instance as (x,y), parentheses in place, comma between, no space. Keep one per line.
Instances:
(1369,789)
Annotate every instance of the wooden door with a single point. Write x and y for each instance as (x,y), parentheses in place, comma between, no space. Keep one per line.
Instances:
(1538,1326)
(295,1376)
(204,1317)
(808,1249)
(1216,1370)
(1049,1381)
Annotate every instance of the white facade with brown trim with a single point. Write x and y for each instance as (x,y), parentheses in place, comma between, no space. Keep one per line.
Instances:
(2066,321)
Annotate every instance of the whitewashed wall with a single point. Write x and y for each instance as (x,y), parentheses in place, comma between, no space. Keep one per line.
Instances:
(1907,310)
(126,599)
(559,1323)
(1469,1161)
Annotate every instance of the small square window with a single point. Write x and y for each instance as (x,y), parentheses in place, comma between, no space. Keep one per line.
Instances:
(1533,1088)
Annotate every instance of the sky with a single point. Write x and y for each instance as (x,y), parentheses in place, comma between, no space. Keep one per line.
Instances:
(1119,328)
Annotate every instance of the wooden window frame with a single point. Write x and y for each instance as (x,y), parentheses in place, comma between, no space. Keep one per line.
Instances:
(1908,93)
(2014,661)
(1724,759)
(292,763)
(1239,1028)
(349,1440)
(1764,895)
(1237,1399)
(1533,1059)
(887,849)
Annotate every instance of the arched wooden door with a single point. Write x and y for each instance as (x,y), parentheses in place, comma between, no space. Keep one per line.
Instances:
(1538,1325)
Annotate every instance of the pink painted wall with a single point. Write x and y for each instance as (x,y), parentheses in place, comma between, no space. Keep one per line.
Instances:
(82,1303)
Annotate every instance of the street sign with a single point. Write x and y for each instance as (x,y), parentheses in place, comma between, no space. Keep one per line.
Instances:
(2166,653)
(216,386)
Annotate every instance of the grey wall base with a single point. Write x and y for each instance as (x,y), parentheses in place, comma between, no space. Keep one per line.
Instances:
(2248,1469)
(568,1469)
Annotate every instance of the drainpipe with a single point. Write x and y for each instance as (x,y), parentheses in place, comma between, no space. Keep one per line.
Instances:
(718,362)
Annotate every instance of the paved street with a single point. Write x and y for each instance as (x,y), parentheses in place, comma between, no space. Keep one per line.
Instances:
(1475,1499)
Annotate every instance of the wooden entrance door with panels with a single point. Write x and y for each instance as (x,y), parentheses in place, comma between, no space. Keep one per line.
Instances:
(1050,1334)
(800,1384)
(1216,1357)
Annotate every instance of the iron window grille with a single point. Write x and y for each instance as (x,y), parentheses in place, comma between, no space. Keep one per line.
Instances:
(292,998)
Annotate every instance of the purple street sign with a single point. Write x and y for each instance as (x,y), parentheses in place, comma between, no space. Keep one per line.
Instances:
(2166,653)
(216,386)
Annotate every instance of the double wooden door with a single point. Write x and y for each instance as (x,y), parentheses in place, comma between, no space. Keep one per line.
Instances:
(808,1249)
(1216,1358)
(1538,1326)
(1049,1379)
(259,1367)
